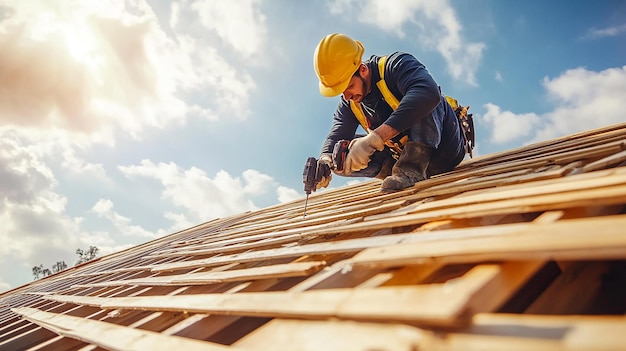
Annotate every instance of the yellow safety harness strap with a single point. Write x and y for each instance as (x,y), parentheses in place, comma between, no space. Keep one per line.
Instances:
(390,99)
(452,101)
(387,95)
(360,115)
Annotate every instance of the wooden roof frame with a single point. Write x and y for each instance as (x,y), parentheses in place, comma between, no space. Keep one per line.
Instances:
(518,250)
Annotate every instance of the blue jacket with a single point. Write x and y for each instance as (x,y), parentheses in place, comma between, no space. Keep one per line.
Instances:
(419,95)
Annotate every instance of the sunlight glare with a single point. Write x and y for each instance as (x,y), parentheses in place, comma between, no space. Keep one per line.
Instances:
(77,37)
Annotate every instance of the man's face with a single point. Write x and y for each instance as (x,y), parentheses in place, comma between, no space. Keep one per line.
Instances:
(356,89)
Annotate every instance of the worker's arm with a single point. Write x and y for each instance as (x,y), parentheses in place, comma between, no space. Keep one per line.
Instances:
(420,93)
(386,132)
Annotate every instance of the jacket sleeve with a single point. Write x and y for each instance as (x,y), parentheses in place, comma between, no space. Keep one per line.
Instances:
(344,126)
(407,77)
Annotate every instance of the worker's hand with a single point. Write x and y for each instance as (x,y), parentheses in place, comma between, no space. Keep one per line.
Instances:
(360,151)
(325,181)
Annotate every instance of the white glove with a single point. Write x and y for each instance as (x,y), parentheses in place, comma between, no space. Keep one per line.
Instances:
(325,181)
(360,151)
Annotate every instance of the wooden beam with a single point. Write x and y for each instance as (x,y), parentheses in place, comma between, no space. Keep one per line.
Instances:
(573,332)
(343,246)
(487,332)
(481,289)
(403,240)
(551,195)
(295,269)
(606,162)
(112,336)
(565,239)
(302,335)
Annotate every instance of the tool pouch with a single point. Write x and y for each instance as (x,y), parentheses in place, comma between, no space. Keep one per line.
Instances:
(466,122)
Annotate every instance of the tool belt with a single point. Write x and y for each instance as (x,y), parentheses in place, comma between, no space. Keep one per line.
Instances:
(466,122)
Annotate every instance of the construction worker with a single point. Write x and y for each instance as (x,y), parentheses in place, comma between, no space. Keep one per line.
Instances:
(422,130)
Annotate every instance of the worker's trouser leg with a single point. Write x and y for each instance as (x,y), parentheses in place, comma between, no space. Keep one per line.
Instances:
(440,131)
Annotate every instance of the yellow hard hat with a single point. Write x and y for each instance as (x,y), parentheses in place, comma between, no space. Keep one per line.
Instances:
(336,59)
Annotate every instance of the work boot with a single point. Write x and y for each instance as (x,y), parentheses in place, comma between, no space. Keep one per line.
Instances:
(410,168)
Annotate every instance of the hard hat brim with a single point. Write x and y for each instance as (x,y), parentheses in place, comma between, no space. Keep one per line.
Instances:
(334,90)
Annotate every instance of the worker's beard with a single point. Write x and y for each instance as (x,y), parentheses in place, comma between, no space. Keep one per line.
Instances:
(364,90)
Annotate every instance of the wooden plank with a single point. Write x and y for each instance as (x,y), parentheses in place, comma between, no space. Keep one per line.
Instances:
(495,332)
(574,332)
(500,202)
(606,162)
(239,236)
(343,246)
(548,158)
(323,248)
(550,187)
(419,239)
(481,289)
(295,269)
(277,236)
(557,145)
(26,339)
(498,180)
(302,335)
(112,336)
(565,239)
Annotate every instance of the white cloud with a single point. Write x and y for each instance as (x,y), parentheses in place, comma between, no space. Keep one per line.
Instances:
(286,194)
(498,77)
(339,7)
(438,28)
(75,74)
(240,24)
(257,183)
(104,209)
(595,33)
(113,66)
(507,126)
(203,198)
(35,226)
(582,99)
(100,69)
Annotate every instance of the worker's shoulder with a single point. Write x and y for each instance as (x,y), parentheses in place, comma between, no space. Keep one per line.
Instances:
(399,62)
(396,55)
(401,56)
(394,60)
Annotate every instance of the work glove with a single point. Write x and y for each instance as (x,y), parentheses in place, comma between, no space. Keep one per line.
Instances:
(360,151)
(325,181)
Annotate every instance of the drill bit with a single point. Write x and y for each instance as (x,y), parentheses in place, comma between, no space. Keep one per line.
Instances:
(305,204)
(309,179)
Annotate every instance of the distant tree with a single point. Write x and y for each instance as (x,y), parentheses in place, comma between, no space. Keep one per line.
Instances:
(40,272)
(59,266)
(86,255)
(37,271)
(83,256)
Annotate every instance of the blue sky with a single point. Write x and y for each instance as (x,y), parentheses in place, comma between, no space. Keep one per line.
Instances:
(123,121)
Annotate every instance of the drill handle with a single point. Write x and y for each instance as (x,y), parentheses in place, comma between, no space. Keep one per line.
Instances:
(309,175)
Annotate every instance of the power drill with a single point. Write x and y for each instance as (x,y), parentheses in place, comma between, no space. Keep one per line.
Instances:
(314,171)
